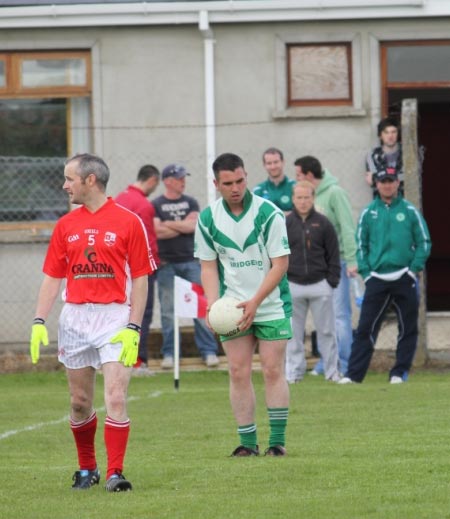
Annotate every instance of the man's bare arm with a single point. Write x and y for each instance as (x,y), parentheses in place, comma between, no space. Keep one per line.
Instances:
(163,232)
(186,226)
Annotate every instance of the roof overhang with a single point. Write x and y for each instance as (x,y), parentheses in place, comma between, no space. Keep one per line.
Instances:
(230,11)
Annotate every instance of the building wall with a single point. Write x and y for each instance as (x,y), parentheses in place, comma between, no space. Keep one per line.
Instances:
(148,107)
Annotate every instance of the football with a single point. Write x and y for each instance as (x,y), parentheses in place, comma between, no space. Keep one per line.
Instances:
(223,316)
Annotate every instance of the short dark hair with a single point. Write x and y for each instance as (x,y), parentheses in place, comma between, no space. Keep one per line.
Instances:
(227,162)
(273,151)
(308,163)
(91,164)
(146,172)
(384,123)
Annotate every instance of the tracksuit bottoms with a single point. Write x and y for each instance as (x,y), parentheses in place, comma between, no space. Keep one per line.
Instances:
(402,295)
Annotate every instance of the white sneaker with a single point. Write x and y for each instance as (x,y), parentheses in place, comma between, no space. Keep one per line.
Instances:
(167,363)
(396,380)
(345,380)
(212,361)
(294,381)
(314,373)
(337,377)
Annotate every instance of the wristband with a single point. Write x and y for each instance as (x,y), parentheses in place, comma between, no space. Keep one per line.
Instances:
(38,320)
(133,326)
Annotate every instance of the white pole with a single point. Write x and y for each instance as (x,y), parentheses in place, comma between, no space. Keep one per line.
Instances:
(210,118)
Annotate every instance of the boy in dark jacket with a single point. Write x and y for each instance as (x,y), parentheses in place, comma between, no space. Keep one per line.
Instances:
(313,272)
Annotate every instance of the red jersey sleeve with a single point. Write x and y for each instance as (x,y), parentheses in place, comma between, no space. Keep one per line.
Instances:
(140,256)
(55,264)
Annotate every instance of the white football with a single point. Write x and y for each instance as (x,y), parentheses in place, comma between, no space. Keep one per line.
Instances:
(223,316)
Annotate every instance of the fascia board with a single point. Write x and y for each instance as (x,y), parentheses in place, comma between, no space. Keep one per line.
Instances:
(176,13)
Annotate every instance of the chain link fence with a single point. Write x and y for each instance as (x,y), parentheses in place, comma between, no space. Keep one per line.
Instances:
(30,189)
(31,200)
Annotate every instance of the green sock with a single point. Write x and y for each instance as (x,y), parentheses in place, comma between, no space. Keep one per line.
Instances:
(247,435)
(277,420)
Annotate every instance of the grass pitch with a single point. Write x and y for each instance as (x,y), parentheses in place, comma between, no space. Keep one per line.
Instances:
(354,452)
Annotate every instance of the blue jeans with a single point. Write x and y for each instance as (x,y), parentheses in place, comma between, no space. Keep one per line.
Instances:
(344,331)
(147,320)
(204,338)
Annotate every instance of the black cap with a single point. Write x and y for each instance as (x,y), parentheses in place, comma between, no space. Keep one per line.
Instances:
(386,174)
(175,171)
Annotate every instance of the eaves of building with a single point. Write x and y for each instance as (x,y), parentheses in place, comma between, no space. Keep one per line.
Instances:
(88,13)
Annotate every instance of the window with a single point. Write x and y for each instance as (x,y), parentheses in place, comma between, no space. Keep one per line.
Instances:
(44,115)
(423,63)
(319,74)
(416,65)
(60,73)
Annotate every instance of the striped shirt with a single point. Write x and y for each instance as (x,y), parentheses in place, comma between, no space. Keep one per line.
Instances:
(243,246)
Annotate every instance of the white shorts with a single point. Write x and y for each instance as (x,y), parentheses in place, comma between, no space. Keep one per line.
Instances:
(84,332)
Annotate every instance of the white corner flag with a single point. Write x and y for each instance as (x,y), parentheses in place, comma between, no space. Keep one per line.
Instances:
(189,301)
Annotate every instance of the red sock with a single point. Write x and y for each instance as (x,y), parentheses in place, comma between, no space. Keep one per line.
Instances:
(84,434)
(116,439)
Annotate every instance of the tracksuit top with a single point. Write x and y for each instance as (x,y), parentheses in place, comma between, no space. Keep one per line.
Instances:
(391,237)
(280,194)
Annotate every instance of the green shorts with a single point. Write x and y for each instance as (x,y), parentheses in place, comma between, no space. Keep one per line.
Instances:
(276,330)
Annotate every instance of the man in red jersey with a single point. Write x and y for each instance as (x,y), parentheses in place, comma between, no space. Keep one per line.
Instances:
(102,252)
(134,198)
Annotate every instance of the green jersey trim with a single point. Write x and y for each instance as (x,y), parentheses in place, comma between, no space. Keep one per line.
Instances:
(243,249)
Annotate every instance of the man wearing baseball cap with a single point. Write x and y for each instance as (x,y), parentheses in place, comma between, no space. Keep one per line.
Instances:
(393,245)
(174,171)
(175,221)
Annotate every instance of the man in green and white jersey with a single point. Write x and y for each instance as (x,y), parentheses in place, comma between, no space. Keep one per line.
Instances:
(241,240)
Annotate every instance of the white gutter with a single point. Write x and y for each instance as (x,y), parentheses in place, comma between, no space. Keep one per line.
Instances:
(210,116)
(169,13)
